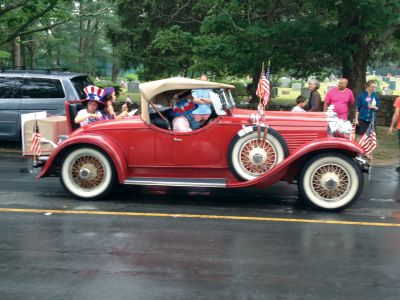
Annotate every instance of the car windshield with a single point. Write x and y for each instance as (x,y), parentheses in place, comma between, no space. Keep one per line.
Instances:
(222,98)
(80,83)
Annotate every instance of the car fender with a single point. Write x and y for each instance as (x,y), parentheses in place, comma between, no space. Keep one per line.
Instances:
(104,143)
(280,171)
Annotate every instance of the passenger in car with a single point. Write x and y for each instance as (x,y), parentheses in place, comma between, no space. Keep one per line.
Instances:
(203,100)
(91,113)
(184,106)
(108,100)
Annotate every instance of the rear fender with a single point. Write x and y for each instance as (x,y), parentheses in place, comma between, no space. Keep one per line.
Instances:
(290,167)
(104,143)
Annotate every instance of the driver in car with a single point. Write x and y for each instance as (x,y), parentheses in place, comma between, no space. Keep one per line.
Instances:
(182,110)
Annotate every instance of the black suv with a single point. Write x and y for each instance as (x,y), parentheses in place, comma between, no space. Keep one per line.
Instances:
(27,91)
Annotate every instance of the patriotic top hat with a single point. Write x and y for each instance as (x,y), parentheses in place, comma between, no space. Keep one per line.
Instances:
(95,94)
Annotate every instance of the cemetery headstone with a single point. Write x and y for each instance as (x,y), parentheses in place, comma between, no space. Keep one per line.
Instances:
(133,86)
(305,92)
(296,86)
(274,92)
(285,82)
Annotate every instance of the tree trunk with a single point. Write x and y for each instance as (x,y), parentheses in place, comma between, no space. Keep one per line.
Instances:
(16,53)
(81,38)
(115,72)
(32,49)
(58,56)
(254,83)
(355,70)
(94,48)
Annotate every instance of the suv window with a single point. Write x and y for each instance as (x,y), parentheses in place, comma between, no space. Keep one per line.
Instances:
(80,83)
(42,88)
(6,87)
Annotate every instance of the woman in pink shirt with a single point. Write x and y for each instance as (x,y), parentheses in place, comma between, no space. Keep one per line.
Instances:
(341,97)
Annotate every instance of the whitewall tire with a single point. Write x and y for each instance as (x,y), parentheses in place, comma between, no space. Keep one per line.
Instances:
(250,156)
(87,173)
(330,181)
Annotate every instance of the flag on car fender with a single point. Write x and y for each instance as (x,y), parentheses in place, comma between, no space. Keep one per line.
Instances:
(36,136)
(368,139)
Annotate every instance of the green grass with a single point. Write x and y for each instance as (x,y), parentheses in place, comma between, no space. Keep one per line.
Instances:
(387,152)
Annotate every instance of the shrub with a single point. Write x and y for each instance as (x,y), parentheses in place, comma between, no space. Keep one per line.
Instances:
(131,77)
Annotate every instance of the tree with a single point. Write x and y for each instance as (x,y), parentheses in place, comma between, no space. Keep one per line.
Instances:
(346,34)
(150,36)
(307,37)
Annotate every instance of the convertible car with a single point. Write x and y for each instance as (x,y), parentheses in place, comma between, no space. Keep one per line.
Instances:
(235,148)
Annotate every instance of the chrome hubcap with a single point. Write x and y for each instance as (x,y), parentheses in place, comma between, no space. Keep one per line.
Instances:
(331,182)
(87,172)
(258,157)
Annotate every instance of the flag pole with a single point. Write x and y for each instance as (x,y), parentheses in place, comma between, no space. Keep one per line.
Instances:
(262,73)
(354,127)
(373,126)
(34,132)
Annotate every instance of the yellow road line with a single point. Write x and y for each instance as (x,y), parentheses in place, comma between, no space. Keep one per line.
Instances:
(190,216)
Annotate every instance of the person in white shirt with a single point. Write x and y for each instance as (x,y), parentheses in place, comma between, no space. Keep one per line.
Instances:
(91,113)
(301,103)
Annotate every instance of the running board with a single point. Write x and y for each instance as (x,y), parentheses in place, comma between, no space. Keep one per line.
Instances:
(185,182)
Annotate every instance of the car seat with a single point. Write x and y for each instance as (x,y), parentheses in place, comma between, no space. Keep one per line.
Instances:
(72,109)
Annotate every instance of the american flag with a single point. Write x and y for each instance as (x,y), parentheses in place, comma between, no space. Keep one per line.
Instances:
(36,136)
(368,139)
(263,86)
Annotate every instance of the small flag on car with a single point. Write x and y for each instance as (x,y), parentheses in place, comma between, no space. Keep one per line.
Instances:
(36,136)
(263,88)
(368,139)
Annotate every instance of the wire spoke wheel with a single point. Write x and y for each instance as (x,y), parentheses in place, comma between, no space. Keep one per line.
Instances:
(330,181)
(87,173)
(258,157)
(251,155)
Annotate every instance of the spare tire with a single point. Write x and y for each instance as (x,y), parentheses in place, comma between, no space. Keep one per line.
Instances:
(250,157)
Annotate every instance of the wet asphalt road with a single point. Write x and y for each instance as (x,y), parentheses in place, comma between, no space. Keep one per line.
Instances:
(174,243)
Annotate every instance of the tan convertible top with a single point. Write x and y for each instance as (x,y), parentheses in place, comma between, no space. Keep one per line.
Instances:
(150,89)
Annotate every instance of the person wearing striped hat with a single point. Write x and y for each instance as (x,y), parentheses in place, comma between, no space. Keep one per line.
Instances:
(93,103)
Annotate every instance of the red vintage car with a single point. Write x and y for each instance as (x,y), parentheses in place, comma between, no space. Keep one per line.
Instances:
(235,148)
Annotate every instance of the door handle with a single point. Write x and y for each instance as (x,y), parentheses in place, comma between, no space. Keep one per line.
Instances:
(177,140)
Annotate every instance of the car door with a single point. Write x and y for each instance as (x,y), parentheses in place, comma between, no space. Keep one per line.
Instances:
(9,109)
(199,148)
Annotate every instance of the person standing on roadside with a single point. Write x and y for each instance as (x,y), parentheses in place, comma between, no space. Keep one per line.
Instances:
(341,97)
(368,103)
(396,120)
(300,104)
(314,102)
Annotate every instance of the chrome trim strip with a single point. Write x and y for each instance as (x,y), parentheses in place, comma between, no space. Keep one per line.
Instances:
(183,182)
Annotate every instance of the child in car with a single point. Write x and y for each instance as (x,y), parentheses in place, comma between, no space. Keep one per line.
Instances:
(91,113)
